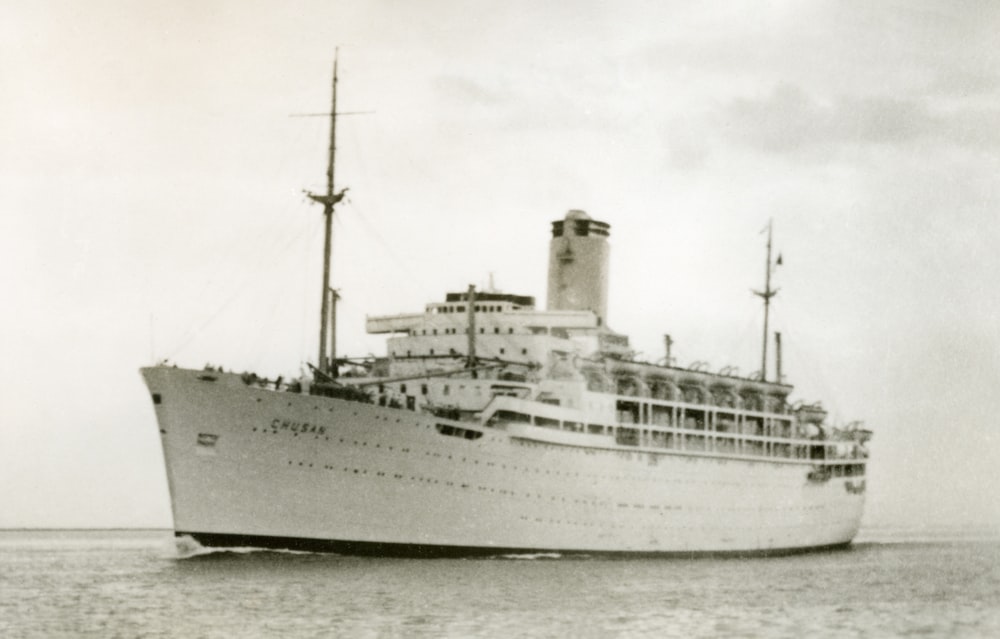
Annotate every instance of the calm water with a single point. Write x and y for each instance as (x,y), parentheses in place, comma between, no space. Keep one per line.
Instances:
(135,584)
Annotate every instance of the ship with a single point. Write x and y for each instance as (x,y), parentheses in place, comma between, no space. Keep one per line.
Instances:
(491,427)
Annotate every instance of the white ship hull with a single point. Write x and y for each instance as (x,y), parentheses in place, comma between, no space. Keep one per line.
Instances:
(250,466)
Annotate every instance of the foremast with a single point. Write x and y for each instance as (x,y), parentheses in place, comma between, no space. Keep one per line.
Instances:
(327,360)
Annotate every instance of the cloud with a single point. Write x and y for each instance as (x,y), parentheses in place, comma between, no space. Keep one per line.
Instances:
(788,120)
(965,82)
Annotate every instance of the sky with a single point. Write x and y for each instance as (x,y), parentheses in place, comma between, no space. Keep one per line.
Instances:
(152,207)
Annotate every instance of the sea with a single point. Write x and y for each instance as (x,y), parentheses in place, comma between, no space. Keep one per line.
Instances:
(127,583)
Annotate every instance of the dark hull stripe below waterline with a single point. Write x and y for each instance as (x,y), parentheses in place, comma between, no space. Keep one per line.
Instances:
(432,551)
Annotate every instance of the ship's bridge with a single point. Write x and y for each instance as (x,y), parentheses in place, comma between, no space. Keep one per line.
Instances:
(454,309)
(495,313)
(506,327)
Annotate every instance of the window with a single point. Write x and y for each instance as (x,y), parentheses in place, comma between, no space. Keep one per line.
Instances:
(423,389)
(725,423)
(206,443)
(783,428)
(660,415)
(628,412)
(546,422)
(455,431)
(662,440)
(627,437)
(512,416)
(694,419)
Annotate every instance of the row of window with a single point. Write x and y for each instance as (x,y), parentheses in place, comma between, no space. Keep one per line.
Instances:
(478,308)
(693,420)
(454,331)
(626,436)
(511,391)
(455,431)
(847,470)
(452,352)
(662,509)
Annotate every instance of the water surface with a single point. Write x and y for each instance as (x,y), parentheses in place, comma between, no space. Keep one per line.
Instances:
(138,584)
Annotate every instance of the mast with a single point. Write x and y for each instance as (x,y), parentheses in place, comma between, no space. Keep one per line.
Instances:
(470,297)
(327,361)
(777,357)
(767,294)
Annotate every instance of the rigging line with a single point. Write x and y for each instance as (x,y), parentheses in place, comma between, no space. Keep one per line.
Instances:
(506,339)
(236,292)
(266,328)
(264,242)
(811,369)
(260,242)
(368,227)
(226,268)
(305,310)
